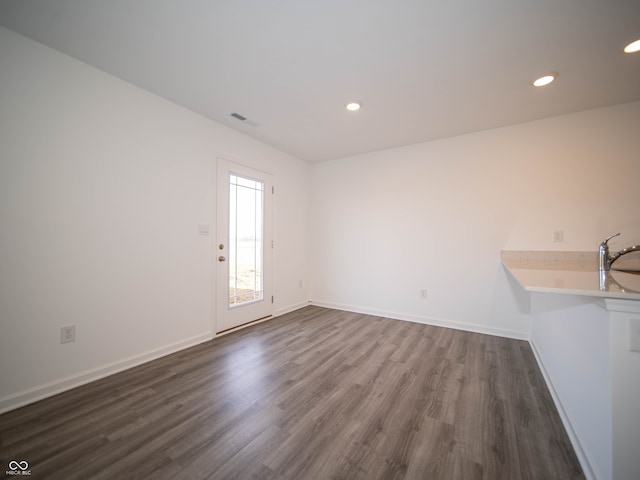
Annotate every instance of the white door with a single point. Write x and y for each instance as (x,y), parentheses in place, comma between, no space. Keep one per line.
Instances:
(243,252)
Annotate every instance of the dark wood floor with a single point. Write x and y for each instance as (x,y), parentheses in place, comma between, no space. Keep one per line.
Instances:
(315,394)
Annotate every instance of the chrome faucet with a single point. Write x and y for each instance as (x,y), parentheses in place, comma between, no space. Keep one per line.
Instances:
(605,260)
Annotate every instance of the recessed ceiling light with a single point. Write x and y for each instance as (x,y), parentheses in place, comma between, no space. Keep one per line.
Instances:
(633,47)
(353,106)
(546,79)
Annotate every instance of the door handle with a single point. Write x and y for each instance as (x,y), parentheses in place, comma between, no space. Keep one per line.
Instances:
(221,258)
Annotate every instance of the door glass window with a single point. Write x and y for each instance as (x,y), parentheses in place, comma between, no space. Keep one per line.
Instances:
(246,214)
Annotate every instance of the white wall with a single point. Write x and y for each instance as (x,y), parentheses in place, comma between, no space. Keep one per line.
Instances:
(436,215)
(102,188)
(103,185)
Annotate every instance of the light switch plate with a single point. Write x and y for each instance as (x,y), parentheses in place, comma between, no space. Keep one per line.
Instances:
(203,229)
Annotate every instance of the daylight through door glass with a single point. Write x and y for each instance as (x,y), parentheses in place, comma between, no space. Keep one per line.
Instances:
(246,201)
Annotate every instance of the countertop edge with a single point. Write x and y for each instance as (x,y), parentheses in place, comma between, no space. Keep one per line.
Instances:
(517,271)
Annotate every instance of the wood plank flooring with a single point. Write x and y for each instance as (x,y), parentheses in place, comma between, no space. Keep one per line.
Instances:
(315,394)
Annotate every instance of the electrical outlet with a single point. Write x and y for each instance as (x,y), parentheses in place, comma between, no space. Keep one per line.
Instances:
(68,334)
(300,284)
(558,236)
(423,293)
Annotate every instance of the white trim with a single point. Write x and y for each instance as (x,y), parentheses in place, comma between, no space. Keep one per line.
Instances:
(20,399)
(438,322)
(620,305)
(582,452)
(40,392)
(291,308)
(213,246)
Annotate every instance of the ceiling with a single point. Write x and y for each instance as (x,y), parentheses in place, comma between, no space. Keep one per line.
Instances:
(423,69)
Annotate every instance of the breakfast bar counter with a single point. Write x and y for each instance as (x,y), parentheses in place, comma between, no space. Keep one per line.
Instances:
(585,334)
(573,273)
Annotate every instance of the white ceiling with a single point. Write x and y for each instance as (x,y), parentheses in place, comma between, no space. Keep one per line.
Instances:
(424,69)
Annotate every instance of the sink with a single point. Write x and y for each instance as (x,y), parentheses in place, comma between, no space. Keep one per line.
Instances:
(626,283)
(625,270)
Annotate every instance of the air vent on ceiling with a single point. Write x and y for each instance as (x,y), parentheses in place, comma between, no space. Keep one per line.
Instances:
(245,120)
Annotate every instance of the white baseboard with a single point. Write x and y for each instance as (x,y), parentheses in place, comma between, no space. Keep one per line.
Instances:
(582,452)
(438,322)
(25,397)
(40,392)
(290,308)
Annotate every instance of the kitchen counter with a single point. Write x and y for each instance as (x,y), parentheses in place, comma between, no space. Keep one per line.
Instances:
(586,341)
(574,273)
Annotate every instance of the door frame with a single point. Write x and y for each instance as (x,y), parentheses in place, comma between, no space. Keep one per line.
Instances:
(221,301)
